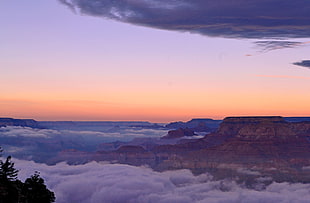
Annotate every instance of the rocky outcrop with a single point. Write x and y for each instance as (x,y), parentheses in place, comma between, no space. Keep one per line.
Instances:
(197,125)
(181,132)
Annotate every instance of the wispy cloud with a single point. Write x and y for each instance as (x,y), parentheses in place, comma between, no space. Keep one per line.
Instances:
(283,76)
(272,45)
(258,19)
(304,63)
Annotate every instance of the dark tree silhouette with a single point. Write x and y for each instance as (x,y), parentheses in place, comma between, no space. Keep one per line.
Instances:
(13,190)
(7,170)
(35,191)
(10,186)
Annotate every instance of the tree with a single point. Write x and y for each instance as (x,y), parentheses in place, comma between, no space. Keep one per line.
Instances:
(7,170)
(8,182)
(35,191)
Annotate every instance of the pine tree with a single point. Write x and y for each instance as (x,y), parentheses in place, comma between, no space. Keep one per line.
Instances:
(35,191)
(7,171)
(8,182)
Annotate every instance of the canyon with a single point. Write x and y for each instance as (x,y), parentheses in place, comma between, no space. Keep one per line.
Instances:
(242,148)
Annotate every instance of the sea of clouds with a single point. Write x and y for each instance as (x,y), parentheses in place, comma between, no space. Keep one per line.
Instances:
(115,183)
(122,134)
(23,142)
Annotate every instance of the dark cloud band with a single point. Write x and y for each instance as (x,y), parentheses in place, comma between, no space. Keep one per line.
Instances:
(235,19)
(304,63)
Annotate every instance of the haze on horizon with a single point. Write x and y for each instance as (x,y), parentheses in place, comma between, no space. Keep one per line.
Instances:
(124,62)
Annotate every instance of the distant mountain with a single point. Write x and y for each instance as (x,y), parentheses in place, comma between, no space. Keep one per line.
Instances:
(97,125)
(207,124)
(18,122)
(196,124)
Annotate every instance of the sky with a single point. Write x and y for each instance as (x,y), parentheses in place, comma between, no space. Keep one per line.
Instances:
(151,60)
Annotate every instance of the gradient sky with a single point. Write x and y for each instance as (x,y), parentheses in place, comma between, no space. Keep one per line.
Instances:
(58,65)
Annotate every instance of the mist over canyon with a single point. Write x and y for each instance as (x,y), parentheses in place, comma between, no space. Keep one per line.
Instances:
(239,159)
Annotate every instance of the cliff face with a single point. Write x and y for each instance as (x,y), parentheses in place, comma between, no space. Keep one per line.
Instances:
(249,125)
(254,128)
(263,143)
(266,138)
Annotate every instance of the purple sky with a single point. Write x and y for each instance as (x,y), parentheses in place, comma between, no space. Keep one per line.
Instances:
(57,65)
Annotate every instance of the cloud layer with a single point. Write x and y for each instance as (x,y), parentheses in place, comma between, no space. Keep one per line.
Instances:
(90,136)
(98,182)
(235,19)
(42,144)
(18,131)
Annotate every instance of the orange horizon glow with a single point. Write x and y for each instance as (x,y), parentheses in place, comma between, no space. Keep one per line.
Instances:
(162,112)
(261,97)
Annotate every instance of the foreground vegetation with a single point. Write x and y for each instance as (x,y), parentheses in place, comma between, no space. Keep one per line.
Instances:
(12,190)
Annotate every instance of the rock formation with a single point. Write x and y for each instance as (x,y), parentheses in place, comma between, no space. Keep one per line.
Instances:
(197,125)
(266,144)
(179,133)
(242,147)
